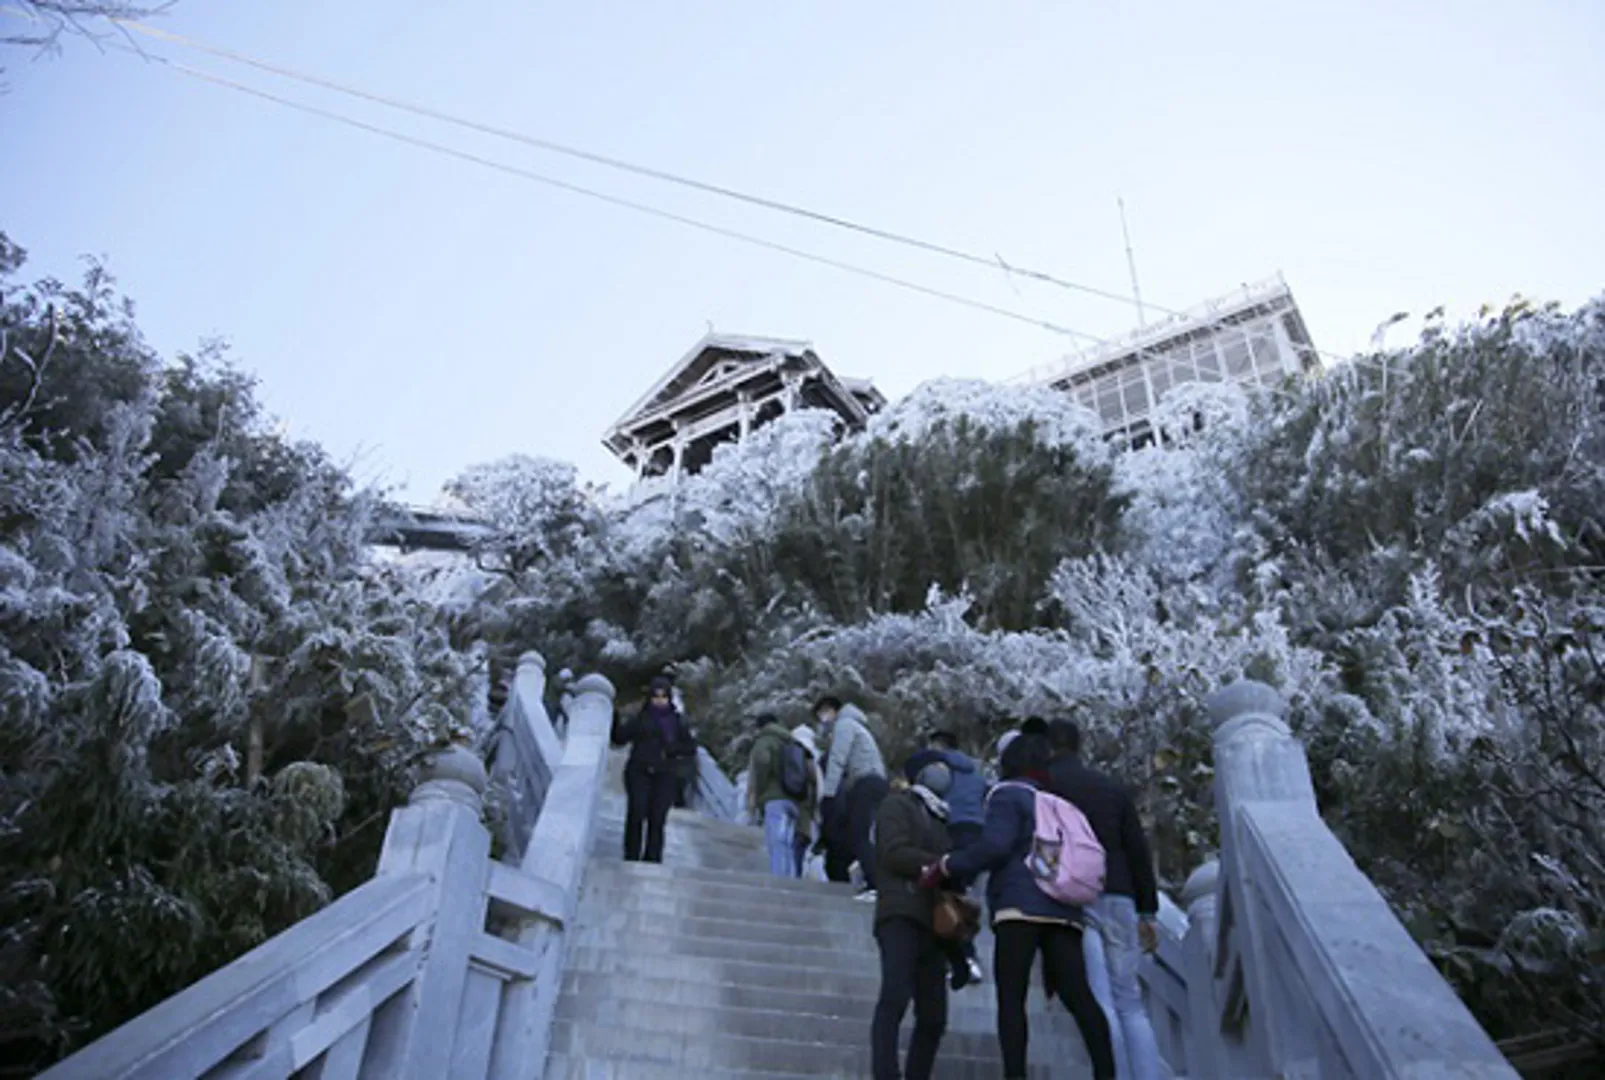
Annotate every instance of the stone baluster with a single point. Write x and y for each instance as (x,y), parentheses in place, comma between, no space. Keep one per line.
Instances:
(529,687)
(556,857)
(1331,982)
(1207,1053)
(437,833)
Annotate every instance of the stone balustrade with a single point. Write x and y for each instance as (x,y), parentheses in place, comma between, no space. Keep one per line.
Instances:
(445,964)
(1287,960)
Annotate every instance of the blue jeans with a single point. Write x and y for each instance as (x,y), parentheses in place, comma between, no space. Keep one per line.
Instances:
(1112,952)
(779,827)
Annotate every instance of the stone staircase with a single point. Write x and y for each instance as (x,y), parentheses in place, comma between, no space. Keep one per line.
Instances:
(706,965)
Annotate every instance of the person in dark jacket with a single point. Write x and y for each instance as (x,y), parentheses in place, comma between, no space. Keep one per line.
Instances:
(910,834)
(966,810)
(767,796)
(661,747)
(1122,921)
(1025,920)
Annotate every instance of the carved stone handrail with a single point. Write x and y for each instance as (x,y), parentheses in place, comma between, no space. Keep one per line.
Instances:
(555,859)
(1288,961)
(715,796)
(526,751)
(447,963)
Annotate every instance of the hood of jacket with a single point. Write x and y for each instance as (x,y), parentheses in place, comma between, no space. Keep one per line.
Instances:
(959,761)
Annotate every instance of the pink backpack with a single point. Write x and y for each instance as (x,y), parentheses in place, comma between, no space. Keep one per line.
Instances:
(1065,857)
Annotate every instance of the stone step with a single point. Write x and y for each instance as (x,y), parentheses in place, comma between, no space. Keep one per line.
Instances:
(741,980)
(821,954)
(666,909)
(613,816)
(852,937)
(965,1039)
(726,882)
(563,1067)
(704,830)
(696,1053)
(610,851)
(759,1013)
(863,981)
(854,921)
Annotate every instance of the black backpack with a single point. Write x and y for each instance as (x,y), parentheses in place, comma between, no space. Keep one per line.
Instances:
(794,769)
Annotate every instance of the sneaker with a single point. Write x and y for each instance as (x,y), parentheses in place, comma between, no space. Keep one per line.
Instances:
(868,896)
(977,974)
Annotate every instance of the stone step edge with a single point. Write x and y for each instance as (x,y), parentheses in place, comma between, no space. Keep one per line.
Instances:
(736,885)
(861,1049)
(560,1062)
(757,877)
(827,961)
(1037,1005)
(854,1009)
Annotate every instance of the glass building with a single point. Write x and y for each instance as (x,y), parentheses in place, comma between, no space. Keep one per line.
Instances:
(1255,335)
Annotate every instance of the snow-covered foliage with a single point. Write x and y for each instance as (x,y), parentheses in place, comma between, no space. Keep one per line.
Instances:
(535,507)
(735,497)
(208,694)
(1055,419)
(1409,548)
(979,555)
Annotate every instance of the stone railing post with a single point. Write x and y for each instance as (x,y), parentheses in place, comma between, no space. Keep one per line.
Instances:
(556,857)
(529,690)
(1256,756)
(1206,1053)
(1257,760)
(1317,974)
(437,833)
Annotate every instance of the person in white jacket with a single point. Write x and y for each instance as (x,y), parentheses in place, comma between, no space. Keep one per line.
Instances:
(808,826)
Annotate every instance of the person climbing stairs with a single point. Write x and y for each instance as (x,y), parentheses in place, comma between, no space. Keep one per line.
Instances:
(707,965)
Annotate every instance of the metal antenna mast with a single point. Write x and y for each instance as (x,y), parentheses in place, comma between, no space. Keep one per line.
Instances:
(1131,262)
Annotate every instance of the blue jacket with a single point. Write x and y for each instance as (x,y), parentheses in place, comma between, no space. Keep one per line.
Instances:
(1011,821)
(966,799)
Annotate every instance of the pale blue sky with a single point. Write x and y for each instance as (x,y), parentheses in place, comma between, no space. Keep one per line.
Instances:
(419,314)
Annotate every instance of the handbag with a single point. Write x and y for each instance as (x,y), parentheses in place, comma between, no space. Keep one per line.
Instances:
(955,917)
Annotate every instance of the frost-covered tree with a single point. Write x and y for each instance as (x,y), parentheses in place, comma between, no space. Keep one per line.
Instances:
(962,486)
(1357,541)
(210,697)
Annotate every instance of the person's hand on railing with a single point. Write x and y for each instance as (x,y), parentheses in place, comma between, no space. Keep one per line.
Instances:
(1147,934)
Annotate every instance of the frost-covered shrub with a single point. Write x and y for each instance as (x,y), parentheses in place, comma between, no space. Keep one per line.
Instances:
(210,698)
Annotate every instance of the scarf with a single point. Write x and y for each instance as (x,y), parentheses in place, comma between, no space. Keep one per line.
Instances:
(667,719)
(933,802)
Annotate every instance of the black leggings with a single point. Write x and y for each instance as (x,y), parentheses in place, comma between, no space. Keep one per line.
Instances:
(1060,945)
(650,792)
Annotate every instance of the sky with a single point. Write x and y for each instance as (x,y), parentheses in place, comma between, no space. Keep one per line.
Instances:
(418,313)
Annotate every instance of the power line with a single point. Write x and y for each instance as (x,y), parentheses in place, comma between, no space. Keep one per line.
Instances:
(718,230)
(614,200)
(995,262)
(428,112)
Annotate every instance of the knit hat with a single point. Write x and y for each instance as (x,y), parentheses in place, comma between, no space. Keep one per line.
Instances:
(935,777)
(660,684)
(763,720)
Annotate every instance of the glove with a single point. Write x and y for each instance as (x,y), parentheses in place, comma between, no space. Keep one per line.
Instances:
(933,875)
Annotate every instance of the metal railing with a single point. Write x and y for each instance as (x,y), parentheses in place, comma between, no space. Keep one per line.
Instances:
(1155,334)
